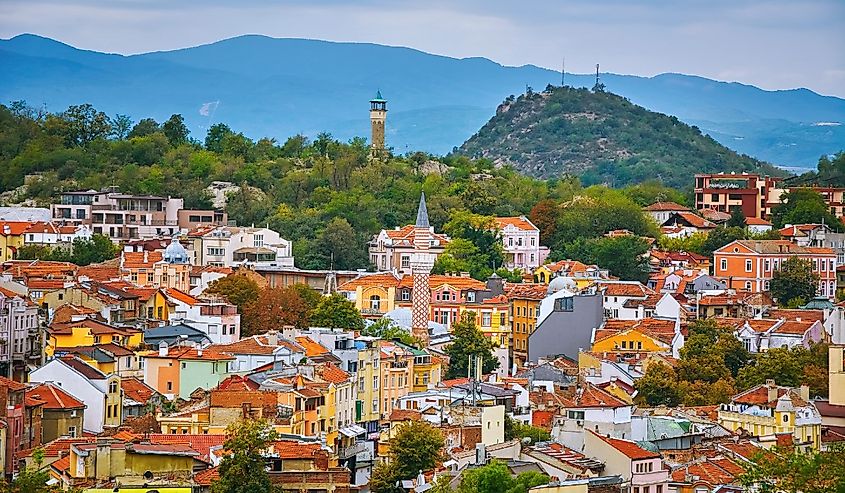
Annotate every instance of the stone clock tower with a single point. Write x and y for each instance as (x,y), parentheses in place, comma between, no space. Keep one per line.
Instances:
(378,115)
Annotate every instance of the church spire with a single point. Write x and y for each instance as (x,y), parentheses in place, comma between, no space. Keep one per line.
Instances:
(422,213)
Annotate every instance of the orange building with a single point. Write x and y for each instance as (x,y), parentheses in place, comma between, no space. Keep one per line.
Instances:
(524,307)
(748,265)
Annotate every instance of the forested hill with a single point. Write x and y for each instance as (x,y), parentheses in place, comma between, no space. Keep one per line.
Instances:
(602,138)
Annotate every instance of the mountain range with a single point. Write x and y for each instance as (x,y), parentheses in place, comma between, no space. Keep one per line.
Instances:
(280,87)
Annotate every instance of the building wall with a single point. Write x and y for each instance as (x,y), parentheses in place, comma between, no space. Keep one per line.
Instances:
(566,332)
(57,423)
(80,387)
(523,321)
(492,425)
(194,374)
(615,463)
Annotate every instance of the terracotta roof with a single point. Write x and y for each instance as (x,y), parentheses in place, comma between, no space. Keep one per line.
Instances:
(332,374)
(96,327)
(793,327)
(135,260)
(796,314)
(542,419)
(714,215)
(54,397)
(136,390)
(776,246)
(649,302)
(665,206)
(761,325)
(15,228)
(567,266)
(289,449)
(405,415)
(593,396)
(662,330)
(406,235)
(694,220)
(744,449)
(756,221)
(527,291)
(379,279)
(11,384)
(759,396)
(208,476)
(237,382)
(61,465)
(210,353)
(628,448)
(713,471)
(312,348)
(257,344)
(624,289)
(460,283)
(82,367)
(202,444)
(519,222)
(181,296)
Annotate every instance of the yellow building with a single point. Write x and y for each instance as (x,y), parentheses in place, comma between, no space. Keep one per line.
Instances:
(11,238)
(769,411)
(90,332)
(373,294)
(524,307)
(581,273)
(367,408)
(648,335)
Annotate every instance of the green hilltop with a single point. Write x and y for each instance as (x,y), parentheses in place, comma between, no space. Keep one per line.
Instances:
(602,138)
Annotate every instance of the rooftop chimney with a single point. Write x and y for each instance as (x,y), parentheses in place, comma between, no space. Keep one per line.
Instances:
(272,338)
(804,391)
(162,349)
(773,390)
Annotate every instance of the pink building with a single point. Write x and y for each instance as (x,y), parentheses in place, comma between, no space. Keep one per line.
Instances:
(521,242)
(642,470)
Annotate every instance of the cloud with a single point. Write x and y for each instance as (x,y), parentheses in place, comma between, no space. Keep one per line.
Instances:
(772,44)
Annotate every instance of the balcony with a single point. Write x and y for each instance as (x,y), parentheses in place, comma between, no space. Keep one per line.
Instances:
(359,450)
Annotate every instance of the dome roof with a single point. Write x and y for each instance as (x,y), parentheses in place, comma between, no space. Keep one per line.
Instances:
(562,282)
(175,253)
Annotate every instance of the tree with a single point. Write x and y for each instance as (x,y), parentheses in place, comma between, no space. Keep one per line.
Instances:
(175,130)
(467,341)
(273,309)
(338,245)
(794,283)
(31,479)
(247,205)
(238,289)
(659,386)
(496,478)
(336,312)
(544,216)
(803,206)
(216,134)
(243,469)
(721,236)
(623,256)
(795,471)
(417,446)
(85,124)
(121,126)
(144,127)
(92,251)
(387,329)
(789,367)
(517,429)
(737,219)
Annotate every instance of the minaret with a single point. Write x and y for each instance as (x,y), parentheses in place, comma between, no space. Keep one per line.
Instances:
(378,115)
(421,264)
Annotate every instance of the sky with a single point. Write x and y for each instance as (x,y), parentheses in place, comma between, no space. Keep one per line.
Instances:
(773,44)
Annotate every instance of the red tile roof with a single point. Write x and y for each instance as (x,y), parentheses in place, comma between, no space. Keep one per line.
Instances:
(236,382)
(13,228)
(332,374)
(660,329)
(312,348)
(135,260)
(634,289)
(797,314)
(713,471)
(665,207)
(289,449)
(527,291)
(405,415)
(11,384)
(794,327)
(208,476)
(380,279)
(519,222)
(54,397)
(181,296)
(136,390)
(406,235)
(628,448)
(202,444)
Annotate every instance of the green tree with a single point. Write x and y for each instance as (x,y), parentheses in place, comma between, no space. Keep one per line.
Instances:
(243,469)
(794,283)
(248,205)
(339,246)
(417,446)
(517,429)
(84,124)
(98,249)
(737,219)
(803,206)
(721,236)
(387,329)
(31,479)
(468,340)
(795,471)
(121,126)
(623,256)
(238,289)
(216,134)
(659,386)
(789,367)
(175,130)
(336,312)
(496,478)
(144,127)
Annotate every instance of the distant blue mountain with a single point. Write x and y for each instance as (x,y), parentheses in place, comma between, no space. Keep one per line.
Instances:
(280,87)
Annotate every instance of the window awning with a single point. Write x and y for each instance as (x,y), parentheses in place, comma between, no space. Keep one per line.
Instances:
(352,431)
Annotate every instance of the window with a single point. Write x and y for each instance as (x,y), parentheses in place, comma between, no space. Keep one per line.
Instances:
(471,296)
(258,241)
(375,302)
(375,405)
(405,294)
(169,386)
(71,431)
(766,265)
(786,418)
(748,265)
(748,285)
(375,382)
(532,241)
(486,319)
(405,261)
(184,365)
(723,264)
(112,387)
(216,251)
(564,304)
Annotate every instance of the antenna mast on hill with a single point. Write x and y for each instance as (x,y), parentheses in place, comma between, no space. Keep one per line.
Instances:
(563,73)
(597,75)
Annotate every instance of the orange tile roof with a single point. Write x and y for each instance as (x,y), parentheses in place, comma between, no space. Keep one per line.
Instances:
(312,348)
(135,260)
(594,396)
(257,344)
(755,221)
(211,353)
(42,228)
(11,384)
(761,325)
(460,283)
(624,289)
(759,396)
(289,449)
(796,314)
(542,419)
(15,228)
(332,374)
(665,207)
(54,397)
(405,415)
(519,222)
(136,390)
(526,291)
(241,383)
(794,327)
(208,476)
(181,296)
(712,471)
(568,266)
(100,272)
(659,329)
(379,279)
(628,448)
(61,465)
(695,220)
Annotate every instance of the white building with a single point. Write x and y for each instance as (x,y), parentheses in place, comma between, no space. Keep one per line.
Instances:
(19,332)
(627,300)
(49,234)
(592,409)
(229,246)
(521,242)
(259,350)
(216,318)
(101,393)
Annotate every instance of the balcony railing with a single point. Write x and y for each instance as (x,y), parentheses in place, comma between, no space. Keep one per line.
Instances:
(359,448)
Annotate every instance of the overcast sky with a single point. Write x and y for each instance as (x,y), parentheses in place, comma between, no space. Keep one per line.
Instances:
(774,44)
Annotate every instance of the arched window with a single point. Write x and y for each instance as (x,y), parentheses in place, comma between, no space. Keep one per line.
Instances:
(375,302)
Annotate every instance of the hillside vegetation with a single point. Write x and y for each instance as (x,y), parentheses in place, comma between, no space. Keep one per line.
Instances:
(602,138)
